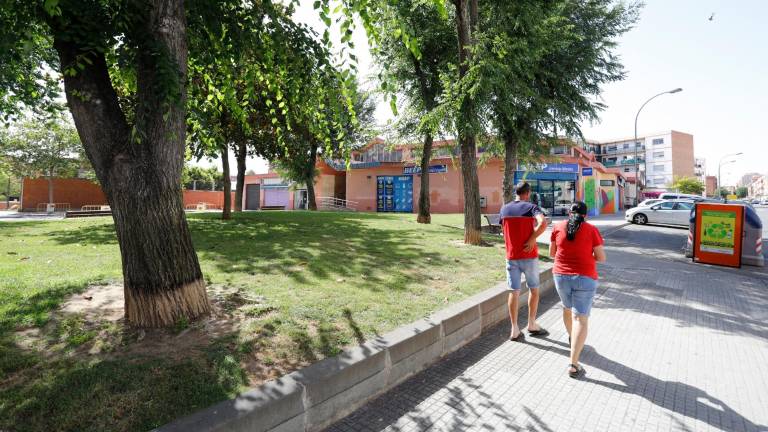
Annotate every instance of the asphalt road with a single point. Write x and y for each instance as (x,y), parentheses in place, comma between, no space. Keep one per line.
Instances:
(667,243)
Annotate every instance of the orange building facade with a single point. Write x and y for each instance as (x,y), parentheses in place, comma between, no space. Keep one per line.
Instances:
(384,179)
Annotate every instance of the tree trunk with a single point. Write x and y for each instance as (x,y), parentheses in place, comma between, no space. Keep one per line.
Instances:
(50,186)
(141,176)
(311,202)
(240,154)
(8,194)
(424,215)
(427,95)
(466,16)
(510,165)
(226,212)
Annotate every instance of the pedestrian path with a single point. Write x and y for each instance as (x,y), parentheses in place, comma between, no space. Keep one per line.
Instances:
(672,347)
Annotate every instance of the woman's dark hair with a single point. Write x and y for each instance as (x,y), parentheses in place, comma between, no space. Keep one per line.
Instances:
(577,214)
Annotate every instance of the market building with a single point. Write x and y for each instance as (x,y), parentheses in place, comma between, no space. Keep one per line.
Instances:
(383,178)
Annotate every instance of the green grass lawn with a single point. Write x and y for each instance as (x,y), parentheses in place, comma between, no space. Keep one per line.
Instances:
(306,285)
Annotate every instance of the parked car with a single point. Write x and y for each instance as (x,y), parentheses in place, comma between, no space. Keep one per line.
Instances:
(764,201)
(562,207)
(650,202)
(667,212)
(674,196)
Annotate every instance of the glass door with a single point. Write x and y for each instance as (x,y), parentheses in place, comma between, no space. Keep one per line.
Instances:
(547,195)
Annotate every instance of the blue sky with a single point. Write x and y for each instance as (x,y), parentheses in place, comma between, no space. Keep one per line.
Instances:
(720,64)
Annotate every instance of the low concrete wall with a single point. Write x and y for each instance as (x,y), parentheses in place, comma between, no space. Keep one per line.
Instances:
(313,398)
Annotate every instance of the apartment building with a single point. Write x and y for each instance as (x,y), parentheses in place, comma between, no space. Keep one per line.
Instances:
(710,186)
(700,169)
(759,187)
(660,157)
(747,179)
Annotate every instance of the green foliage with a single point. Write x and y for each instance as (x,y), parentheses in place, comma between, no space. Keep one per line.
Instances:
(44,146)
(199,178)
(539,67)
(742,192)
(687,185)
(417,45)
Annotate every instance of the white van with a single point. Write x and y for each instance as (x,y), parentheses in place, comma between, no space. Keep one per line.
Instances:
(675,195)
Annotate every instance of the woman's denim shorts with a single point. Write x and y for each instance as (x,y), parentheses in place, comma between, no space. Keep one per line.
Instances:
(576,292)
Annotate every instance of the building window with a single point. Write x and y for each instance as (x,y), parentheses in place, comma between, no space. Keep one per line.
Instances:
(658,154)
(627,169)
(626,145)
(657,141)
(607,183)
(658,167)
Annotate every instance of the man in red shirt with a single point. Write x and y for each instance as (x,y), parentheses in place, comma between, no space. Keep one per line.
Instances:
(522,223)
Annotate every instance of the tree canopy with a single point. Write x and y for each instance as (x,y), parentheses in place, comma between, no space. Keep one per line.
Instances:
(687,185)
(43,147)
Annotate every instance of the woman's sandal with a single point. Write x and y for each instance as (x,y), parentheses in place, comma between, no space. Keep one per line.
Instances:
(519,338)
(578,373)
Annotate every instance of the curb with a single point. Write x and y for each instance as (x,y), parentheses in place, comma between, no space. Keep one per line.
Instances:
(614,229)
(320,394)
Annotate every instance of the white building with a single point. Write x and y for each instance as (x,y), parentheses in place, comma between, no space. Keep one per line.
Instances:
(759,187)
(700,169)
(661,157)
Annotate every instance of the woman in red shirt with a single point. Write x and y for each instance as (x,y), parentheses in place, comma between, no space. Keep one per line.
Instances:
(577,247)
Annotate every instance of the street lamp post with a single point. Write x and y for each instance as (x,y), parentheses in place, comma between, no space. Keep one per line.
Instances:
(637,163)
(720,165)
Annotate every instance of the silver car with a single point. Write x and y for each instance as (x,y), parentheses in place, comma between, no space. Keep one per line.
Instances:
(668,212)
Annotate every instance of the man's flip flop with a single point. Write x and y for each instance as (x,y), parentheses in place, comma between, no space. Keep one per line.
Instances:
(518,338)
(542,332)
(578,373)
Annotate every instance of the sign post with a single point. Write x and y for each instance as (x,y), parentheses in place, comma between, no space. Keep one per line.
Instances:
(718,234)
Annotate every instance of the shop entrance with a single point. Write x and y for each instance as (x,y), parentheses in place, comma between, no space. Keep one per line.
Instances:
(556,196)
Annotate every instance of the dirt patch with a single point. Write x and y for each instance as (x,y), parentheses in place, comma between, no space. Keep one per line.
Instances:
(91,326)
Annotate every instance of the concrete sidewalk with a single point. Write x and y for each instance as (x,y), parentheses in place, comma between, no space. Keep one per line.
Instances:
(672,346)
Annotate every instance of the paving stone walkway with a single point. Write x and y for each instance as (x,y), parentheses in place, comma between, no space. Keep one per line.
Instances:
(672,347)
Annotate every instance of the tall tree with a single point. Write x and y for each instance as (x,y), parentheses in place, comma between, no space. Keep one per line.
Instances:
(466,118)
(255,80)
(544,64)
(49,147)
(132,130)
(416,67)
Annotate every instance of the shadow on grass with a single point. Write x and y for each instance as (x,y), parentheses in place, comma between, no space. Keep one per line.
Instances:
(298,244)
(117,395)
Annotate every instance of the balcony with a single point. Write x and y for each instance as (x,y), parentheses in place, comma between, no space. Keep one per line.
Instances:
(622,163)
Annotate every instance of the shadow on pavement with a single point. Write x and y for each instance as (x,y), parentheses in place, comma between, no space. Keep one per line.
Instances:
(689,401)
(466,405)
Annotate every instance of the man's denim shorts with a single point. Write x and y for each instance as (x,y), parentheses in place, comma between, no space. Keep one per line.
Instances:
(576,292)
(529,267)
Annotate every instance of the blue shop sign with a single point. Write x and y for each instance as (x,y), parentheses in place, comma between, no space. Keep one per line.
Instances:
(586,172)
(433,169)
(554,168)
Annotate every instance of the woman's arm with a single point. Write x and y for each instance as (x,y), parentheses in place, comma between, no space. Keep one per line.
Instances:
(599,253)
(552,249)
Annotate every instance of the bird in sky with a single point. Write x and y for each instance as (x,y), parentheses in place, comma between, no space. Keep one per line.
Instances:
(712,17)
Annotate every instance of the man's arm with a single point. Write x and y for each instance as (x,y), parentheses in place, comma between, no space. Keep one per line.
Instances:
(552,249)
(541,226)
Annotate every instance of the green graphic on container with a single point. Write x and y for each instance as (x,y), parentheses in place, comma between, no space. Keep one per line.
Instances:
(717,231)
(589,193)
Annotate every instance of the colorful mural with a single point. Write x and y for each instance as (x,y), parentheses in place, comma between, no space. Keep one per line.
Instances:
(607,201)
(589,194)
